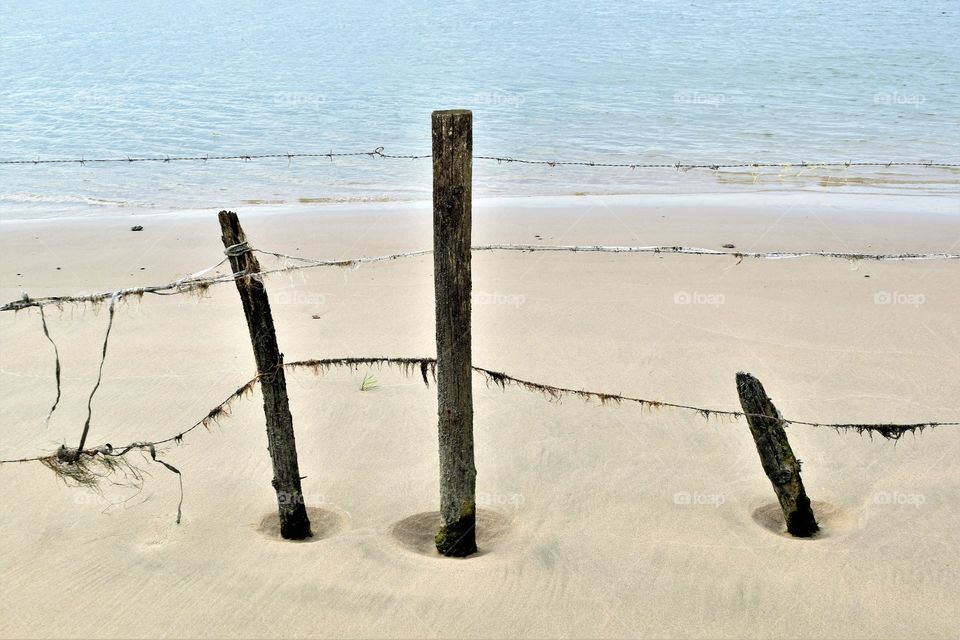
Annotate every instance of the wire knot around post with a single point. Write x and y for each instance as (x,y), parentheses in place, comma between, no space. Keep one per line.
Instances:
(238,249)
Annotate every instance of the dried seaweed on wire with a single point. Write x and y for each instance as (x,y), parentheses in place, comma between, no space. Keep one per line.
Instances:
(87,473)
(153,455)
(555,393)
(103,359)
(407,365)
(56,370)
(93,468)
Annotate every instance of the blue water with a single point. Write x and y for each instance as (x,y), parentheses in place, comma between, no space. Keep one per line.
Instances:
(662,81)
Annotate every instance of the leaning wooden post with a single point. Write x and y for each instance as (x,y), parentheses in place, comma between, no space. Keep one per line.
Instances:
(776,456)
(452,193)
(294,524)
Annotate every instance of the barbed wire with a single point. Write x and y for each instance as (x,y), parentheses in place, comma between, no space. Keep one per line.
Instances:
(681,166)
(766,255)
(379,152)
(427,368)
(200,282)
(502,380)
(205,158)
(197,281)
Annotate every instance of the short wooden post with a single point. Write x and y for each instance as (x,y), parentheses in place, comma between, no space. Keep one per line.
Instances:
(776,456)
(294,524)
(452,194)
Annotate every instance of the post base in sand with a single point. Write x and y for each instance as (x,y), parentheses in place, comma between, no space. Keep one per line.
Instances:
(801,523)
(458,540)
(295,526)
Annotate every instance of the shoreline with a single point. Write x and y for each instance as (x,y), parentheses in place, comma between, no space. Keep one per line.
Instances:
(939,204)
(490,182)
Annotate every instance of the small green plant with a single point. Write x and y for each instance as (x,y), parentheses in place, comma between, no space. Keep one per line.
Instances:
(369,382)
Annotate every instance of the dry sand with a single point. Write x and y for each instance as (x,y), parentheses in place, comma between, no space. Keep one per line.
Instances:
(596,521)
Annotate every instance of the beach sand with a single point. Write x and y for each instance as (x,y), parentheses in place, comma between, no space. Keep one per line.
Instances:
(596,521)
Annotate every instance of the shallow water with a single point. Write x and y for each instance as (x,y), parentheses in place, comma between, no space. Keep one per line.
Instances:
(644,82)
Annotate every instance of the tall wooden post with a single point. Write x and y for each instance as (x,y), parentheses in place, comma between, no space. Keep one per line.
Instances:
(452,194)
(294,524)
(776,456)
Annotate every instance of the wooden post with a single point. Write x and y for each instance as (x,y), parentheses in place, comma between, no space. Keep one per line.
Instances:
(776,456)
(294,524)
(452,194)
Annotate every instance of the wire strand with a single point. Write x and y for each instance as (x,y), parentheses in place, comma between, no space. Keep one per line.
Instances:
(198,281)
(379,152)
(890,431)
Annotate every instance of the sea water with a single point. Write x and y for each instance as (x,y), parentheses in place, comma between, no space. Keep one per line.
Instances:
(641,82)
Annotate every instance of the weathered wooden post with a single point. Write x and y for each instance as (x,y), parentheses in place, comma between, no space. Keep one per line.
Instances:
(452,194)
(294,524)
(776,456)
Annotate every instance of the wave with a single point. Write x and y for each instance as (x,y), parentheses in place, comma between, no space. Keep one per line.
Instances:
(38,198)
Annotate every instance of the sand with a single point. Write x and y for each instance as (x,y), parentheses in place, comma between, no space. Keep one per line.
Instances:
(596,521)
